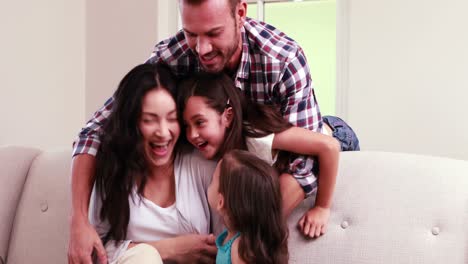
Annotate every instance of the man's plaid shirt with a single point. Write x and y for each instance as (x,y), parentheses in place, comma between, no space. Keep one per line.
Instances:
(273,70)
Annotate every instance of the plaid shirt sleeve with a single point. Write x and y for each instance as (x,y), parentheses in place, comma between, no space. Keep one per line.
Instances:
(88,139)
(300,108)
(299,105)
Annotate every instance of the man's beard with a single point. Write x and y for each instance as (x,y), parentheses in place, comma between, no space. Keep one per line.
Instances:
(226,56)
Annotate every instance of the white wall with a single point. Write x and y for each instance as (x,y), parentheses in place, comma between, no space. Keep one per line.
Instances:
(42,72)
(60,60)
(120,35)
(407,75)
(402,80)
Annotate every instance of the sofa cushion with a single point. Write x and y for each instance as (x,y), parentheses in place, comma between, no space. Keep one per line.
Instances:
(40,232)
(392,208)
(14,164)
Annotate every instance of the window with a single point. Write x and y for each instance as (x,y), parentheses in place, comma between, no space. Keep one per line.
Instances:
(313,25)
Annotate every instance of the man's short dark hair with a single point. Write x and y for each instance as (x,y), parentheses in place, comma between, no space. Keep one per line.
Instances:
(232,4)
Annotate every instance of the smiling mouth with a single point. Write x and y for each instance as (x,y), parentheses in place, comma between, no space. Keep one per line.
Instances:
(202,145)
(159,149)
(208,58)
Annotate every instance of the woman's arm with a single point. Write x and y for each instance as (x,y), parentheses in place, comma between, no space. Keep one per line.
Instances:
(326,149)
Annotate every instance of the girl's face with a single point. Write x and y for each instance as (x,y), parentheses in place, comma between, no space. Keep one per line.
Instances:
(206,127)
(159,127)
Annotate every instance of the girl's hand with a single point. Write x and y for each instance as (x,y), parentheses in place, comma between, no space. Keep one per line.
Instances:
(314,222)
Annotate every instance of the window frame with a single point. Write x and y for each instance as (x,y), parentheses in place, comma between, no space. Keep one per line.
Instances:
(342,49)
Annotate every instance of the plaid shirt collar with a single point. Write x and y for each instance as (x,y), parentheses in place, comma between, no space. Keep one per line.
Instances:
(243,71)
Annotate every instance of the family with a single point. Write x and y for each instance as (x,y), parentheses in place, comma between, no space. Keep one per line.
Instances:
(203,152)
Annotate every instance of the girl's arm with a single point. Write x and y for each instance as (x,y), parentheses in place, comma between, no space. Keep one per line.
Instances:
(326,149)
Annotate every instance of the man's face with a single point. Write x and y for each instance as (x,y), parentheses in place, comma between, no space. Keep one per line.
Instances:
(213,33)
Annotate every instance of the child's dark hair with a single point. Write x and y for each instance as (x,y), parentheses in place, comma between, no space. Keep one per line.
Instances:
(253,204)
(120,161)
(249,118)
(217,94)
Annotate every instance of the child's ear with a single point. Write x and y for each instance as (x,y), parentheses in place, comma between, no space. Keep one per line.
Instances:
(228,115)
(220,204)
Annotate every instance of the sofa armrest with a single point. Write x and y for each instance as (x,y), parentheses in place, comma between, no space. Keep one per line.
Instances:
(41,228)
(14,163)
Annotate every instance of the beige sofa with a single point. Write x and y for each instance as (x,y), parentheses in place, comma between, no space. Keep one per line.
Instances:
(388,208)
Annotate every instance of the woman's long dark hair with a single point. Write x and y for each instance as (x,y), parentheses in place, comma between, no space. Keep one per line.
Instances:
(252,200)
(121,161)
(249,118)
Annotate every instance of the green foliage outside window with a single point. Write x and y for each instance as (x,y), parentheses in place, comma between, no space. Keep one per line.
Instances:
(313,25)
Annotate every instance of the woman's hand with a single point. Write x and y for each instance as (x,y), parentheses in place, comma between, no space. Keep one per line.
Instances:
(314,222)
(83,239)
(188,249)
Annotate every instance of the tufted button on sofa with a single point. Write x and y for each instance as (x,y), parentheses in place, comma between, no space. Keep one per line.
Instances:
(388,208)
(392,208)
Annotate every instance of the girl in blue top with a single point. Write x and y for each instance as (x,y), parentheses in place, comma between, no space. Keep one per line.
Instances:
(245,192)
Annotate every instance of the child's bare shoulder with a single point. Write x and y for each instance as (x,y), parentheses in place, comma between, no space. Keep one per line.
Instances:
(235,258)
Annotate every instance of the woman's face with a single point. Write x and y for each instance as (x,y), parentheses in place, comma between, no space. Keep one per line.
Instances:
(159,126)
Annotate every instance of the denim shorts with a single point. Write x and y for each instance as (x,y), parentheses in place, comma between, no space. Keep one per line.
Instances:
(343,133)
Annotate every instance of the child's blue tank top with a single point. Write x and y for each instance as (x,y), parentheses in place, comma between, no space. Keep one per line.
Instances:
(224,251)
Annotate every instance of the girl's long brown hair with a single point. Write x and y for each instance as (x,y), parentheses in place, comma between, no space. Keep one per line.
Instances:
(252,200)
(249,118)
(217,95)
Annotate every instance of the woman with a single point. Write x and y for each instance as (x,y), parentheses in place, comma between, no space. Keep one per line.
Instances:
(149,194)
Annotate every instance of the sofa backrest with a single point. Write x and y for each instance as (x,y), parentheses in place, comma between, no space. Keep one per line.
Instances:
(388,208)
(40,231)
(392,208)
(14,167)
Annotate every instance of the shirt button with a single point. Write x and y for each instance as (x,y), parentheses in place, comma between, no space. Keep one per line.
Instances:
(435,231)
(44,206)
(344,224)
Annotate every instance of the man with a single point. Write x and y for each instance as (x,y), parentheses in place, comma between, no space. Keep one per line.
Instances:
(263,62)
